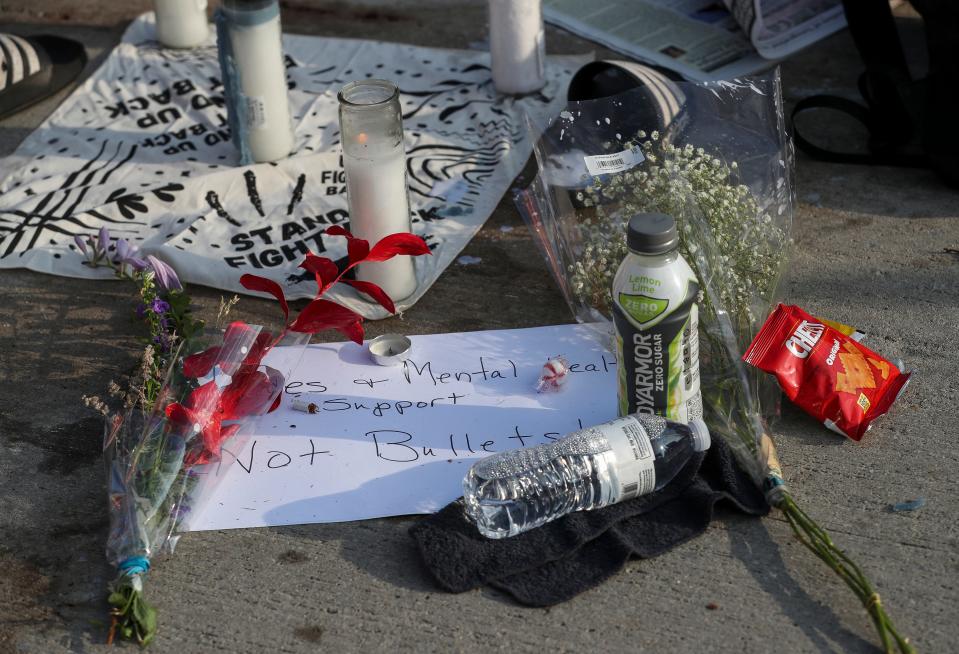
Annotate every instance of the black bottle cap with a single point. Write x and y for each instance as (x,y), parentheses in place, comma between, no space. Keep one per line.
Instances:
(652,233)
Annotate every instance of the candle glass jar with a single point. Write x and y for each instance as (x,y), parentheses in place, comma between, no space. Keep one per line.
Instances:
(517,46)
(374,158)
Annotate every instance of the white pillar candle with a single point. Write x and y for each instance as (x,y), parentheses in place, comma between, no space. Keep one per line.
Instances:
(257,49)
(181,23)
(379,206)
(517,45)
(374,158)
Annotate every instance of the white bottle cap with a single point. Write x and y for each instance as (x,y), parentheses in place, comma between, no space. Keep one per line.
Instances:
(701,440)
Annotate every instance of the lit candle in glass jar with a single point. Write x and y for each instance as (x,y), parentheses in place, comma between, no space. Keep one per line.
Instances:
(371,130)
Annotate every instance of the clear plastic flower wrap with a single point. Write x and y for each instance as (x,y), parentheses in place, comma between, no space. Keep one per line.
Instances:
(717,157)
(158,445)
(192,394)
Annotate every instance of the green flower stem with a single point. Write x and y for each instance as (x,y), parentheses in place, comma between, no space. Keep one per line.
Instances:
(817,540)
(131,616)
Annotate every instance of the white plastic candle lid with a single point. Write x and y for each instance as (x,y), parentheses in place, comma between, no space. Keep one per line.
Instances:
(390,349)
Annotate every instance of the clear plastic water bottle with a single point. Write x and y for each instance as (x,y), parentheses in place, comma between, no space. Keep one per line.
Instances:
(515,491)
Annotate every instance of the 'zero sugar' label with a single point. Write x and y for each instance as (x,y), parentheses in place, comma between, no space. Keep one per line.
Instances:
(634,456)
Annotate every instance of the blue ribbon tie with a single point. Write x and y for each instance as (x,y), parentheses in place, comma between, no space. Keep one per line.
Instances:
(135,565)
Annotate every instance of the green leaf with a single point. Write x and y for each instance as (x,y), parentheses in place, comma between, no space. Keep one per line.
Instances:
(149,619)
(138,609)
(140,622)
(116,598)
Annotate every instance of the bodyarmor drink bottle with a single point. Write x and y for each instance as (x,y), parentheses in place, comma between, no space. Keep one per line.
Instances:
(656,323)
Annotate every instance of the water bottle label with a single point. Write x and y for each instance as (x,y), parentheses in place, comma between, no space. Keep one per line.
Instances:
(634,457)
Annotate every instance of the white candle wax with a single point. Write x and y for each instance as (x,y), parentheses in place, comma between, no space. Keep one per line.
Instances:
(379,206)
(181,23)
(516,40)
(258,53)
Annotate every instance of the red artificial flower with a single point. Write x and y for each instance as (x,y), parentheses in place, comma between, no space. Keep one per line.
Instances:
(241,353)
(257,283)
(249,393)
(201,415)
(323,269)
(242,346)
(323,314)
(359,251)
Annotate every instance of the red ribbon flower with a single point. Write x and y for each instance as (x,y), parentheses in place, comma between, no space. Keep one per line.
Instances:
(249,393)
(202,414)
(242,346)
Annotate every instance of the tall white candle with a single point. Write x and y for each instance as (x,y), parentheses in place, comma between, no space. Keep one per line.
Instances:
(181,23)
(257,50)
(517,45)
(371,130)
(379,206)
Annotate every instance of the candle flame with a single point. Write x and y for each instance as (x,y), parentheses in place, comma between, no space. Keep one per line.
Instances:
(361,138)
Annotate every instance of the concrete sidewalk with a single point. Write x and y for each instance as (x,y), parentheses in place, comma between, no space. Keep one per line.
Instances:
(869,251)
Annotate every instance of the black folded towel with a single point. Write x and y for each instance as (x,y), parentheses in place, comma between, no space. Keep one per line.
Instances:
(561,559)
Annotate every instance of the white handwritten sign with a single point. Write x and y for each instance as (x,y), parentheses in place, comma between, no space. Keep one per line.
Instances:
(399,440)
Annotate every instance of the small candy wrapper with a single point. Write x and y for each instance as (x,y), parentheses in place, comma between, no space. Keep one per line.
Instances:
(554,376)
(826,371)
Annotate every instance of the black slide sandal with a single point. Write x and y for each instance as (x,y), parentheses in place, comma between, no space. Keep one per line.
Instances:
(32,68)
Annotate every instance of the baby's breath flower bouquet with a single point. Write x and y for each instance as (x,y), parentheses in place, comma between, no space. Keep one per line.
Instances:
(722,167)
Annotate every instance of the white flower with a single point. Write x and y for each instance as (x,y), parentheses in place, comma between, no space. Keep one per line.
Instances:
(748,241)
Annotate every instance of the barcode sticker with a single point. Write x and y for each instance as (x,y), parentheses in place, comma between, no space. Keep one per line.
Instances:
(604,164)
(255,112)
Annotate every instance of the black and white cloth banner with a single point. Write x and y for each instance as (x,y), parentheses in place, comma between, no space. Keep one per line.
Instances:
(143,148)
